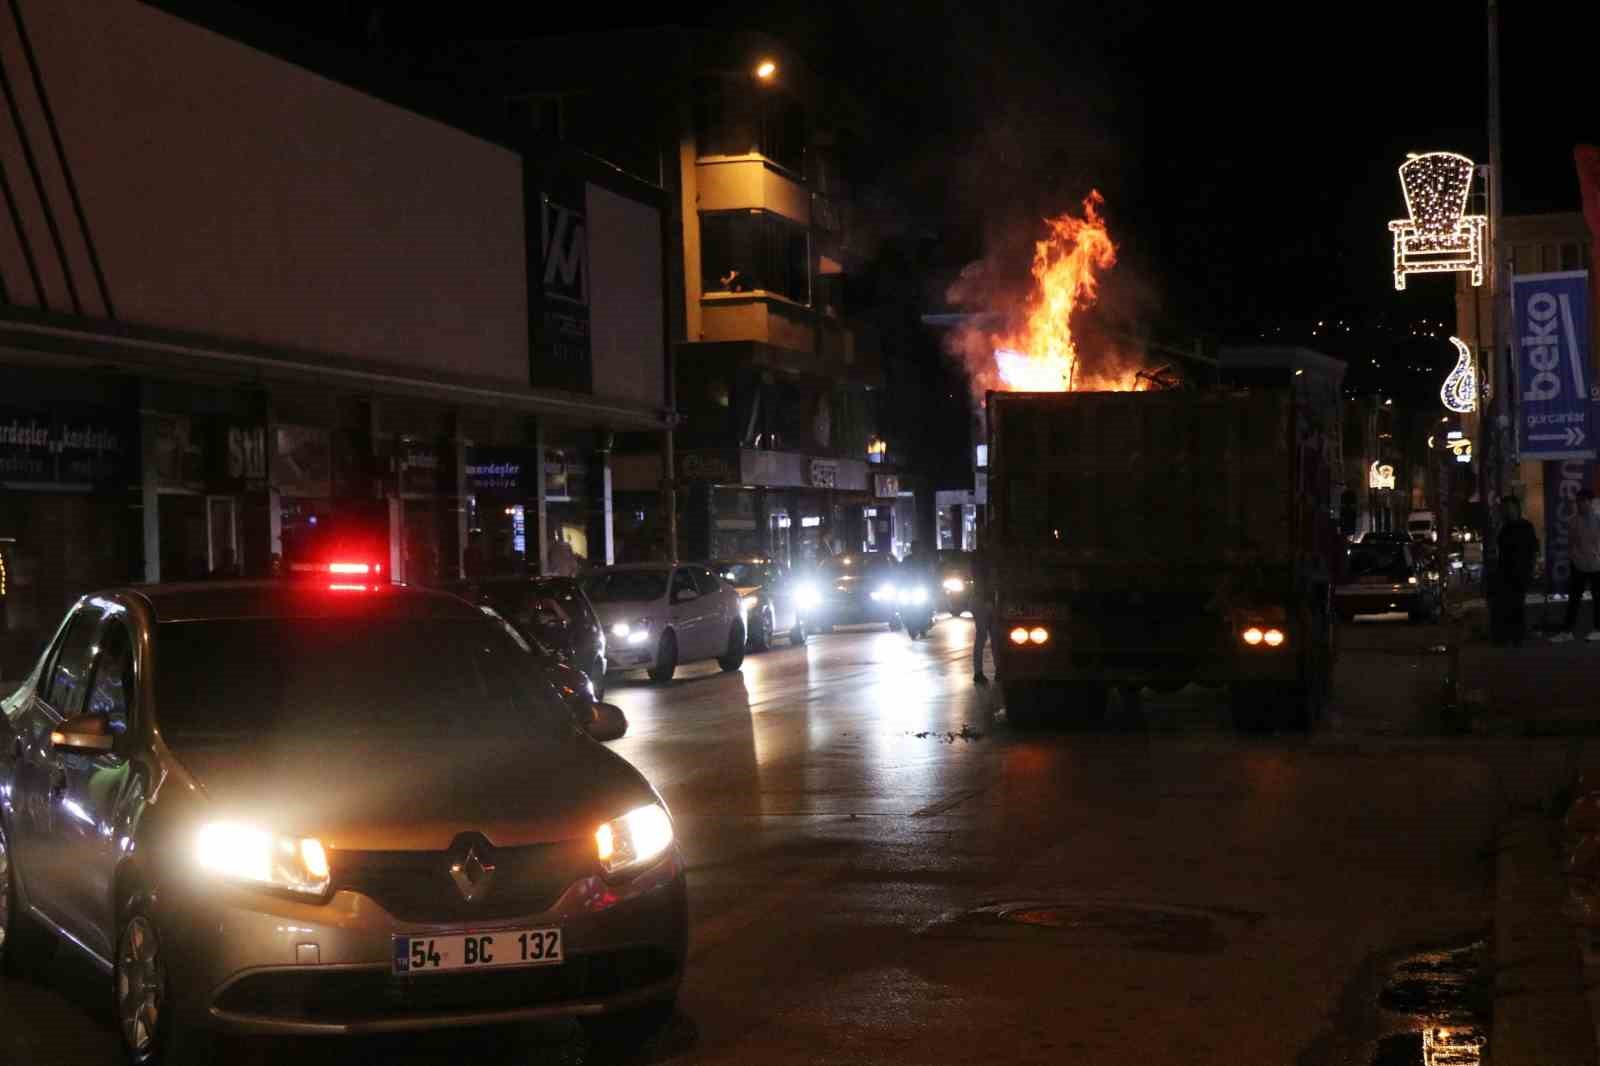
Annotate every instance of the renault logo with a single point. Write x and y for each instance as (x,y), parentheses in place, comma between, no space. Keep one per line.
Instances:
(471,874)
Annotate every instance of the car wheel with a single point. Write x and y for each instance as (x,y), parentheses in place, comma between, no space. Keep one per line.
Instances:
(147,1011)
(666,658)
(24,946)
(797,635)
(733,658)
(624,1035)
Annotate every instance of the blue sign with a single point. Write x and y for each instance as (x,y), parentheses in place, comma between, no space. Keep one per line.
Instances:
(1551,316)
(1562,482)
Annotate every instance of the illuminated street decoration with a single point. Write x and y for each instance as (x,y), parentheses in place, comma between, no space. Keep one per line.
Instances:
(1460,389)
(1439,237)
(1460,446)
(1381,476)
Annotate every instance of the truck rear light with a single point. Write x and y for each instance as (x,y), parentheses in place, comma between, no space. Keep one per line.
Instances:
(1253,636)
(1273,637)
(1019,635)
(354,568)
(1038,634)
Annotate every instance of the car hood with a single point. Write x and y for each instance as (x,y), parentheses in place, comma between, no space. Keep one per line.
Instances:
(419,796)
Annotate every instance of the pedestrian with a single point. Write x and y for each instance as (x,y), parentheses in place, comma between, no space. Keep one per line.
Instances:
(1583,536)
(982,610)
(1519,549)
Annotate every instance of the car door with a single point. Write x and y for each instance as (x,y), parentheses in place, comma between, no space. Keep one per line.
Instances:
(99,792)
(39,784)
(688,614)
(721,602)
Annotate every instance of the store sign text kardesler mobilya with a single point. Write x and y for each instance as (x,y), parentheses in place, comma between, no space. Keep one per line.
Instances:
(64,450)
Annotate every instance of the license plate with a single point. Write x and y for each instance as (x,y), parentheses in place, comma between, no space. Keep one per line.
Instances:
(477,951)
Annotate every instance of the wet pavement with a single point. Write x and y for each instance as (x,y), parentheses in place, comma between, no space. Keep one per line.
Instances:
(883,870)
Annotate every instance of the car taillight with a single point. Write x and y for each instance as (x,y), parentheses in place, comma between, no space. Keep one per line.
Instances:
(355,568)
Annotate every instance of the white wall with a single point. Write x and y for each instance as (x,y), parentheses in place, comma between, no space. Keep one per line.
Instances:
(627,325)
(232,194)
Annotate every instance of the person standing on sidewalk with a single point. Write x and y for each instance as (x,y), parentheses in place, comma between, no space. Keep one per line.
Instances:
(1519,549)
(1583,534)
(982,609)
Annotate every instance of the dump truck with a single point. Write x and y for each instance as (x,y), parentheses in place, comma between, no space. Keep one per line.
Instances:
(1155,539)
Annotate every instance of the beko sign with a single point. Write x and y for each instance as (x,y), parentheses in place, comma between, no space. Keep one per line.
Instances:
(1552,333)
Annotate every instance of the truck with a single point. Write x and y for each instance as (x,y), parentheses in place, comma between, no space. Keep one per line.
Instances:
(1167,537)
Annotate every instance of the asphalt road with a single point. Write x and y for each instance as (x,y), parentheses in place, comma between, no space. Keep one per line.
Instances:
(882,870)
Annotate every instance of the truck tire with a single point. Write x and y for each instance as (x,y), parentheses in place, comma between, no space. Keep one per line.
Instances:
(1024,707)
(1086,701)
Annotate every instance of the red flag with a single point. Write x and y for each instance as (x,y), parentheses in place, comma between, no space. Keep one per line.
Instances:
(1587,156)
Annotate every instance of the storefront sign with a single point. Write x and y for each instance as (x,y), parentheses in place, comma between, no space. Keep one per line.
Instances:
(1563,480)
(421,468)
(302,461)
(824,474)
(717,467)
(501,471)
(1552,341)
(561,353)
(885,486)
(245,448)
(64,450)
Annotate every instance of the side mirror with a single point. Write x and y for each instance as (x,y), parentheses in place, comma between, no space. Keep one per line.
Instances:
(606,723)
(88,734)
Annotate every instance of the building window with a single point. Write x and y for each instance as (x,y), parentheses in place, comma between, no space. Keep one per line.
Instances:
(754,251)
(735,117)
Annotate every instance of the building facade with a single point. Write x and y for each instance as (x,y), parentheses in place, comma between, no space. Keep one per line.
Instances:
(1534,244)
(777,450)
(250,315)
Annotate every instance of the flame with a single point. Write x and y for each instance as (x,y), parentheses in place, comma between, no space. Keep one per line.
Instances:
(1041,355)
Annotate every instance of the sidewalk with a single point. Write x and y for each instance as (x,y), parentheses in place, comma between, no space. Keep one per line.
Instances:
(1539,689)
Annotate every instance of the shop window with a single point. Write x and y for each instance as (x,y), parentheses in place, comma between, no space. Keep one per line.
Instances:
(734,117)
(755,251)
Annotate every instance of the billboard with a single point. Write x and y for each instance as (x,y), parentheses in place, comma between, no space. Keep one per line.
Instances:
(1563,481)
(1551,318)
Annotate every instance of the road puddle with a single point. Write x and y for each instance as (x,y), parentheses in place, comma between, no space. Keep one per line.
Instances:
(1435,1006)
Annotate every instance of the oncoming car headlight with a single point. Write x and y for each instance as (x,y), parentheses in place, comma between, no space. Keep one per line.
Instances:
(883,594)
(633,839)
(247,853)
(954,584)
(913,596)
(633,632)
(748,603)
(806,595)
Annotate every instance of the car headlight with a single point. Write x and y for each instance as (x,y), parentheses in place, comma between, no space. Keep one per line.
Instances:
(620,630)
(241,852)
(954,584)
(634,633)
(883,593)
(634,839)
(807,595)
(748,603)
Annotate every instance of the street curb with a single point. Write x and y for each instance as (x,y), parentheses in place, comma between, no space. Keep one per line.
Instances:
(1540,1013)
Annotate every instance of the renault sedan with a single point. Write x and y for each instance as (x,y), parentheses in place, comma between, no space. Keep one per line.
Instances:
(326,809)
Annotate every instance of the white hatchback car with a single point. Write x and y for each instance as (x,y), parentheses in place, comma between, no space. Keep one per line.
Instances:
(657,616)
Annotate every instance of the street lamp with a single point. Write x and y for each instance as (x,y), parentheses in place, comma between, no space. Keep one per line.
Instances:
(766,70)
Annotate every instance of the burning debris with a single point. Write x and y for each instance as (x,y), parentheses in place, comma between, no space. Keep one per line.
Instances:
(1036,350)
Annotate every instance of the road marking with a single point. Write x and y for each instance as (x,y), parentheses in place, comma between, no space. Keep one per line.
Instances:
(945,804)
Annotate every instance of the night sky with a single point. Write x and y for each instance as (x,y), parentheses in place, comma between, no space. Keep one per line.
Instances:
(1247,160)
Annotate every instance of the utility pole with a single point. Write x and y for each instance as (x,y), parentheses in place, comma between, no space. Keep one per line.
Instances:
(1492,443)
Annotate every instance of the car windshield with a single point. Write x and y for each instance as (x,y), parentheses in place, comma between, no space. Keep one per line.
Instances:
(368,677)
(1382,560)
(746,574)
(626,586)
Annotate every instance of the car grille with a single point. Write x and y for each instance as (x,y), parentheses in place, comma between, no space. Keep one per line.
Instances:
(331,995)
(415,886)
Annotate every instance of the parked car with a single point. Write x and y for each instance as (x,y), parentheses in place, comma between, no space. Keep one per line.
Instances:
(658,616)
(858,588)
(289,808)
(955,581)
(772,601)
(1423,526)
(1384,576)
(552,612)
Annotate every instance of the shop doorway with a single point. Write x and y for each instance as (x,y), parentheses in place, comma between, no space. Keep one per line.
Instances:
(222,535)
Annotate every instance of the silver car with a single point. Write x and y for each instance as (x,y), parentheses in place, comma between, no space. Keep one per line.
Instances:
(327,809)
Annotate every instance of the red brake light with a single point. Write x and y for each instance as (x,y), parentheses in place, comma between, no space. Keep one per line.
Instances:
(341,586)
(353,568)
